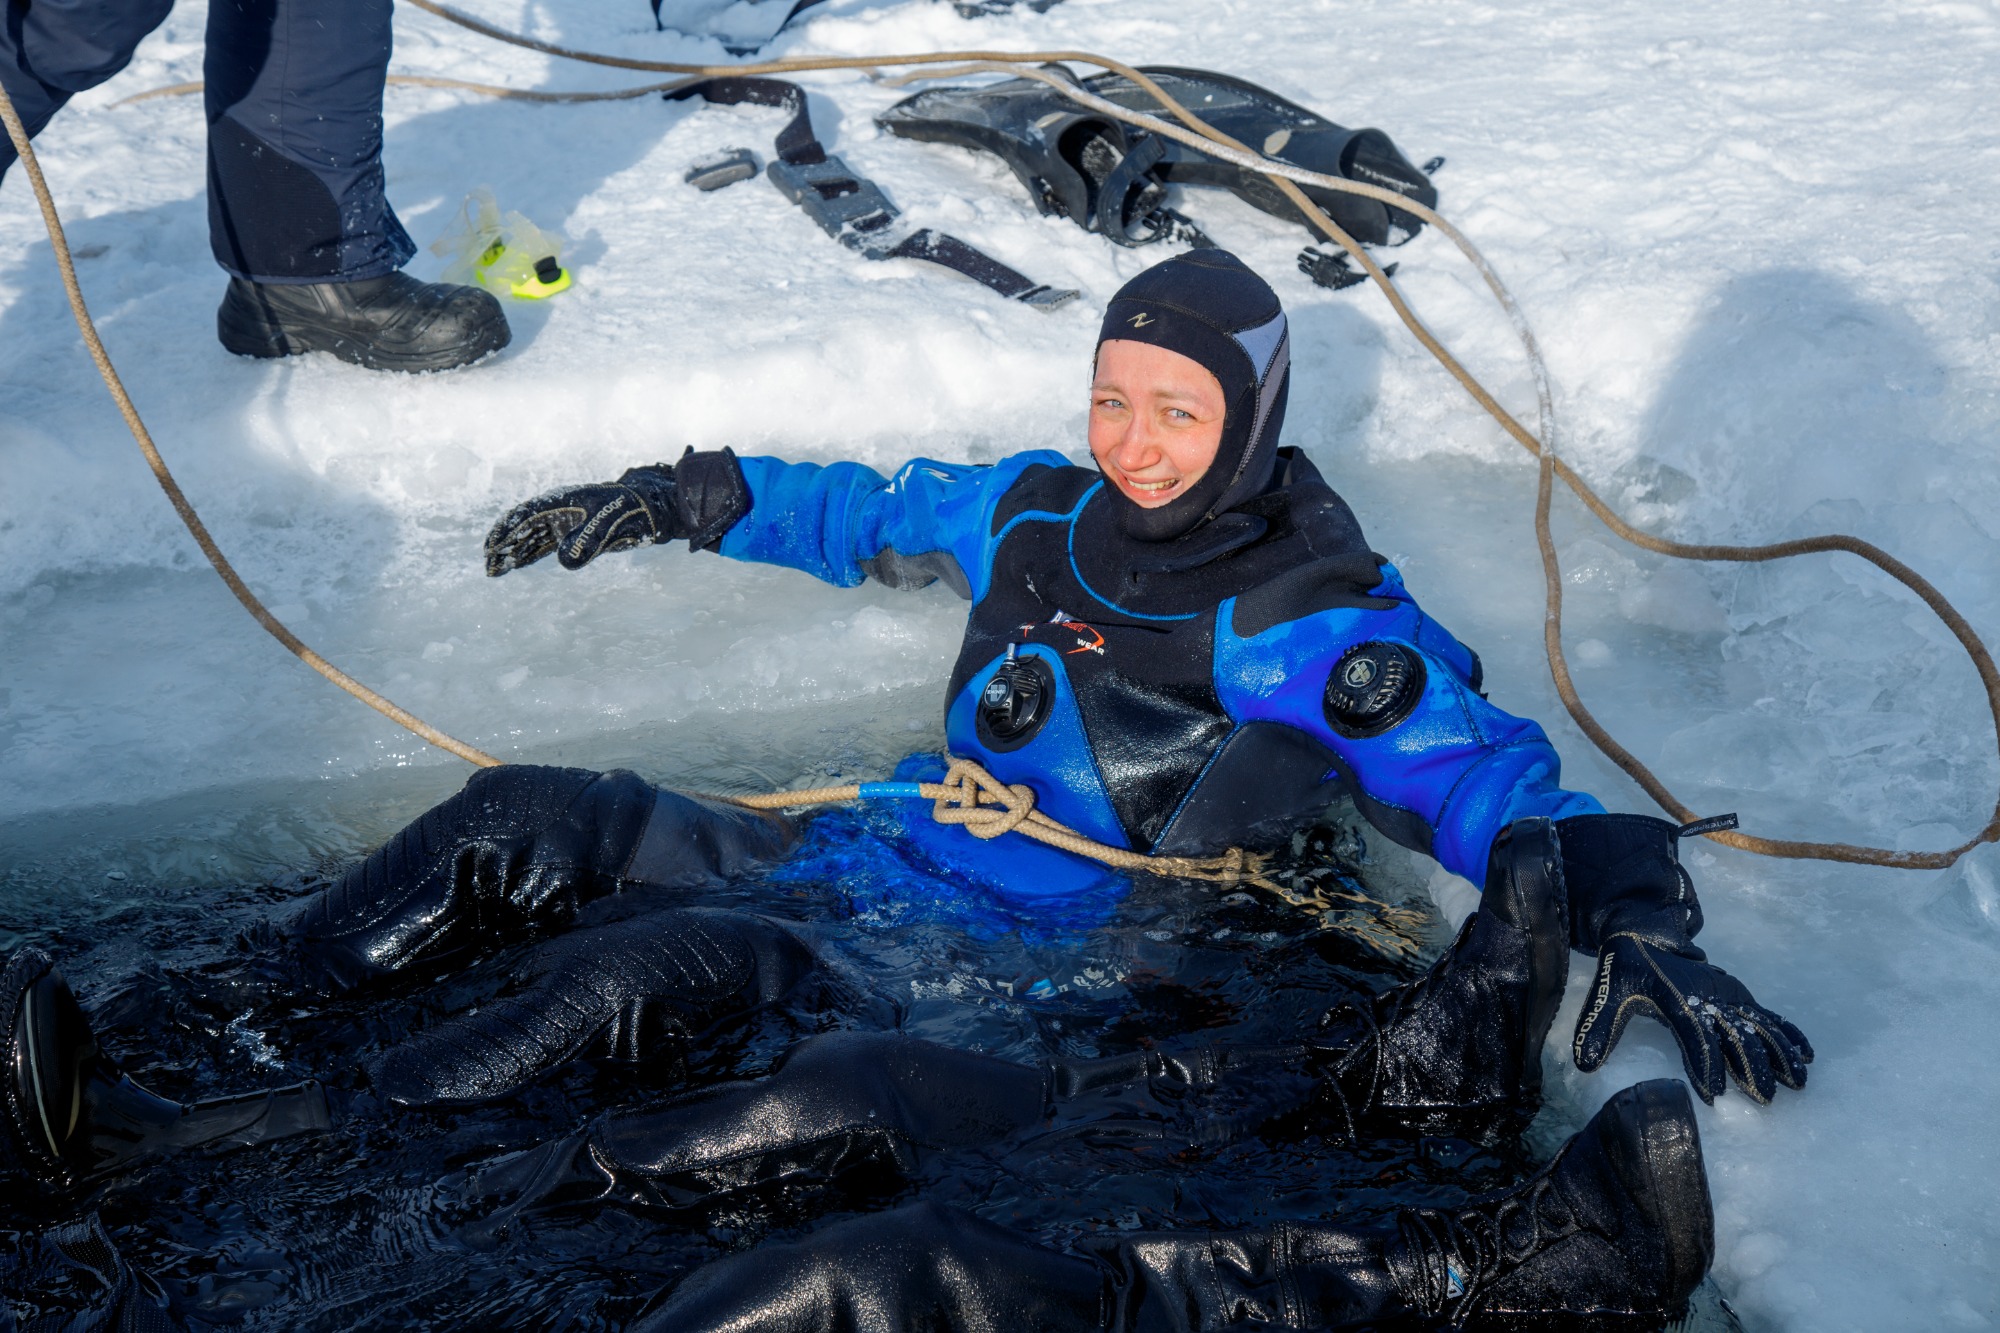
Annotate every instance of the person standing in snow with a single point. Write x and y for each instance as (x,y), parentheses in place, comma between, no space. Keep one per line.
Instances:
(298,213)
(1187,648)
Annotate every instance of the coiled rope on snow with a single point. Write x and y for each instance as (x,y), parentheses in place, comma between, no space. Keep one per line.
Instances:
(972,791)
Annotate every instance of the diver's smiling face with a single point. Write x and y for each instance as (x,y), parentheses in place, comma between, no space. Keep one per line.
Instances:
(1155,420)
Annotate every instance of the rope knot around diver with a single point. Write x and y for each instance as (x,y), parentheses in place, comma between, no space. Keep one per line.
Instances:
(966,788)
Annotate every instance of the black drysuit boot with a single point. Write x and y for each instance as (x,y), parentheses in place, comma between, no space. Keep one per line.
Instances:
(634,990)
(1460,1048)
(393,322)
(68,1114)
(514,854)
(1619,1223)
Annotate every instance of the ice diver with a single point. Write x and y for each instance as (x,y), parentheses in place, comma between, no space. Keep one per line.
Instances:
(1189,646)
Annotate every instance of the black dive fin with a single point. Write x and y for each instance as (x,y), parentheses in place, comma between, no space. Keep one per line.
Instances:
(1277,128)
(69,1114)
(851,208)
(1109,177)
(1073,162)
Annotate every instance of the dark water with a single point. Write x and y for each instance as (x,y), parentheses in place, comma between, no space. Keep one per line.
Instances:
(368,1226)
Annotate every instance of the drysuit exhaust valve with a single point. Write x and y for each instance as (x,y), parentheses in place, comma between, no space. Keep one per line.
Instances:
(1016,702)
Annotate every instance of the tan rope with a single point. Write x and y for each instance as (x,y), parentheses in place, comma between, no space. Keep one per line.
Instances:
(970,797)
(1550,467)
(1205,138)
(1285,176)
(196,528)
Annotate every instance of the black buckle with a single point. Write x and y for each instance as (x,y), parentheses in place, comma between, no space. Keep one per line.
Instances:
(847,207)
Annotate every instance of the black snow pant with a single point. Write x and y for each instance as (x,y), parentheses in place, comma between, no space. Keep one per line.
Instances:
(294,101)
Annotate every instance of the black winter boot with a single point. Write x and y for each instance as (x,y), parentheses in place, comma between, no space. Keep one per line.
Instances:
(69,1114)
(1618,1225)
(393,322)
(842,1102)
(1461,1046)
(516,853)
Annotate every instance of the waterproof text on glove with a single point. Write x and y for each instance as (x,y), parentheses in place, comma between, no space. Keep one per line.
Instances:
(581,523)
(1632,903)
(699,498)
(1723,1032)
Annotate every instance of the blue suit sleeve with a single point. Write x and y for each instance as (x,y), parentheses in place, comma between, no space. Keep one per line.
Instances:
(1498,769)
(845,522)
(1463,767)
(1448,777)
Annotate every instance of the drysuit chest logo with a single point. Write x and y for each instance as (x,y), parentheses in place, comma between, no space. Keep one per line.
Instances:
(1072,636)
(1372,688)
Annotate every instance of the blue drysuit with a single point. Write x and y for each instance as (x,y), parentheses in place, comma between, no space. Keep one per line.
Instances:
(294,100)
(1177,698)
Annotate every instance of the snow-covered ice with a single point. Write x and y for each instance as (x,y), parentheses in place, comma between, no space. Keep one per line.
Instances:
(1756,240)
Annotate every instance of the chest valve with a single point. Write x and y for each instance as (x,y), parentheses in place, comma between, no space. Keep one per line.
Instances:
(1016,702)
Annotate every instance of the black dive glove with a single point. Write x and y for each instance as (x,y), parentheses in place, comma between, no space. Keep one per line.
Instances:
(700,498)
(1633,905)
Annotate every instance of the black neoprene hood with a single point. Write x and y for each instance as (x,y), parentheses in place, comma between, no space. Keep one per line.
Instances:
(1208,306)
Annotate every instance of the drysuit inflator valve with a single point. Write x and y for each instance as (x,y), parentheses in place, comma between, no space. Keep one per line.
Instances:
(1016,702)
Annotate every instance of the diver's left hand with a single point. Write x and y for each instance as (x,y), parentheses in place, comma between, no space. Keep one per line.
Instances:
(580,523)
(1723,1032)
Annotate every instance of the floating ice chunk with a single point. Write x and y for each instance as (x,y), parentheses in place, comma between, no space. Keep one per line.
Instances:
(1675,598)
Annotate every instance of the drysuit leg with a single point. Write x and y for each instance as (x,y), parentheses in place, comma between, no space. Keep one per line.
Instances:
(1459,1049)
(514,854)
(1619,1223)
(51,51)
(294,101)
(633,990)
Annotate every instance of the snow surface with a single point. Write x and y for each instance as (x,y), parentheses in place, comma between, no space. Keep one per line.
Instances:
(1756,240)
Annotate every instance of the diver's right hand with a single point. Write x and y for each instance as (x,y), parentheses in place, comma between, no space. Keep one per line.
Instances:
(581,523)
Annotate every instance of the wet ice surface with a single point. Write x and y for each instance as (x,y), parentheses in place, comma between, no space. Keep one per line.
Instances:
(1757,249)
